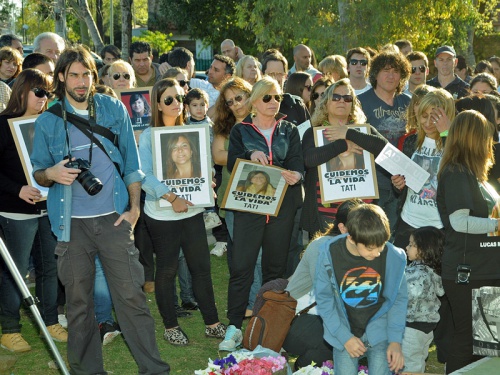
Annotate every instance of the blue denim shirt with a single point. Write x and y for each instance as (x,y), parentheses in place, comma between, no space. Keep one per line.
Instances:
(50,147)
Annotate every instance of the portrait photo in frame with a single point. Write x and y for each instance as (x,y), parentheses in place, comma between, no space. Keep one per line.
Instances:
(348,175)
(23,131)
(182,160)
(138,104)
(255,188)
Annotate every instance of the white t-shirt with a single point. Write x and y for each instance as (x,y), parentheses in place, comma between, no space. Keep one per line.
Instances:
(420,209)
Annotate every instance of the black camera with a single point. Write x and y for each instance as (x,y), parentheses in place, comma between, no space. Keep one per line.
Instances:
(90,183)
(463,274)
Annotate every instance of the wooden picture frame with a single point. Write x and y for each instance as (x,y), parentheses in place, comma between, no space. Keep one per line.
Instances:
(339,182)
(241,194)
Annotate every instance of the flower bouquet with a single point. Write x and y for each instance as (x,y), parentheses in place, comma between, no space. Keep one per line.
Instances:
(325,369)
(245,363)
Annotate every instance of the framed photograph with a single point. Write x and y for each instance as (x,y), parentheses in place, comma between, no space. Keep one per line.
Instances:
(138,103)
(182,160)
(23,131)
(255,188)
(348,175)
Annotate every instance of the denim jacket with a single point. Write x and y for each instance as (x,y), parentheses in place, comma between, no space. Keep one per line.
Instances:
(50,147)
(388,323)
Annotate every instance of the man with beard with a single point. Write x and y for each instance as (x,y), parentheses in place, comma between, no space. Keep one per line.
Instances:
(90,222)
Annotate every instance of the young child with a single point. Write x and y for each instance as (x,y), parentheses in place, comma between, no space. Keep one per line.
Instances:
(360,290)
(197,102)
(424,287)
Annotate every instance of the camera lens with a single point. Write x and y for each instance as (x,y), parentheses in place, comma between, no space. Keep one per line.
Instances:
(91,184)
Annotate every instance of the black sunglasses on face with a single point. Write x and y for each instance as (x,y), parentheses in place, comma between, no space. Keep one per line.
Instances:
(117,76)
(308,87)
(183,83)
(40,93)
(316,96)
(361,62)
(237,98)
(170,99)
(420,67)
(347,98)
(267,98)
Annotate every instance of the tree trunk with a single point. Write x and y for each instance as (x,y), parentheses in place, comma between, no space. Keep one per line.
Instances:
(98,17)
(60,18)
(344,20)
(126,27)
(153,13)
(89,21)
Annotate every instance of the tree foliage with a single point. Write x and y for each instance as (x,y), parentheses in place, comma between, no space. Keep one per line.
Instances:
(157,40)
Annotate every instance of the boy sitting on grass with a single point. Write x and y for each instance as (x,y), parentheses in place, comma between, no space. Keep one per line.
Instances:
(360,290)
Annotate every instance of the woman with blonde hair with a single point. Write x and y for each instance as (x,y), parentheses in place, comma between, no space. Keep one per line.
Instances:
(248,68)
(425,147)
(467,204)
(338,107)
(334,67)
(121,75)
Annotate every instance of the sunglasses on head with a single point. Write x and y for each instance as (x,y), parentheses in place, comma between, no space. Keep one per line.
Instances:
(361,62)
(117,76)
(170,99)
(422,69)
(316,95)
(267,98)
(347,98)
(183,83)
(40,93)
(237,99)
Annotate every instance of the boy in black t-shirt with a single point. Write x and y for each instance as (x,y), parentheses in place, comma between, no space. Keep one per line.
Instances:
(361,294)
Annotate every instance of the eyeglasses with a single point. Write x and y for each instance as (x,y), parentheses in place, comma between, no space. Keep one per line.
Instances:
(183,83)
(361,62)
(267,98)
(237,99)
(308,87)
(117,76)
(422,69)
(40,93)
(170,99)
(316,95)
(347,98)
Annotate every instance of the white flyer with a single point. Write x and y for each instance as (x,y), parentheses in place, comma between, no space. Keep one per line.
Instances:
(303,127)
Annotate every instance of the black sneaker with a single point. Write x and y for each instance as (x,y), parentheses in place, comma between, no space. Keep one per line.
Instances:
(190,306)
(108,332)
(182,313)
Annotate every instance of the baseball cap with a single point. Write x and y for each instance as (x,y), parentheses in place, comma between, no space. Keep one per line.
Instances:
(446,49)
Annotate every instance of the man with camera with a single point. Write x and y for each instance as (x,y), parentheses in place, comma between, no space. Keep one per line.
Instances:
(89,138)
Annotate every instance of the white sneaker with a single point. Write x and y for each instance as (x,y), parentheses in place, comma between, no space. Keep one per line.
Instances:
(62,320)
(219,249)
(212,220)
(232,340)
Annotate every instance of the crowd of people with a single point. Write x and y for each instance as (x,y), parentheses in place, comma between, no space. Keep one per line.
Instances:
(382,272)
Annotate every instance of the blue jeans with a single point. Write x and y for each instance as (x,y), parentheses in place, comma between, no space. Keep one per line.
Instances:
(103,305)
(185,282)
(377,360)
(21,236)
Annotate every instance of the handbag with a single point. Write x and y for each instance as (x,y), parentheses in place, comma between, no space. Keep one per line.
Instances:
(486,321)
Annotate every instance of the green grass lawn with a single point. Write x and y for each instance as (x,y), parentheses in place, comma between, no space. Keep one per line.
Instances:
(117,358)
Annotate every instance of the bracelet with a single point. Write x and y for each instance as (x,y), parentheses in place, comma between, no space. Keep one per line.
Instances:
(173,200)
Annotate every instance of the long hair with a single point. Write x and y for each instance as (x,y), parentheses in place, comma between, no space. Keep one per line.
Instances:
(240,66)
(158,89)
(295,83)
(469,146)
(418,94)
(321,113)
(137,96)
(68,57)
(224,119)
(393,60)
(195,158)
(27,80)
(252,174)
(430,245)
(334,64)
(437,98)
(322,82)
(11,54)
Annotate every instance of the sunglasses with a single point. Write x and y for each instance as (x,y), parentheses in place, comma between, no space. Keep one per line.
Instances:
(308,87)
(40,93)
(117,76)
(170,99)
(183,83)
(316,96)
(347,98)
(422,69)
(361,62)
(237,99)
(267,98)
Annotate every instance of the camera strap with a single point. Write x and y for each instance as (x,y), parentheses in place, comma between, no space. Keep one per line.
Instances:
(84,126)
